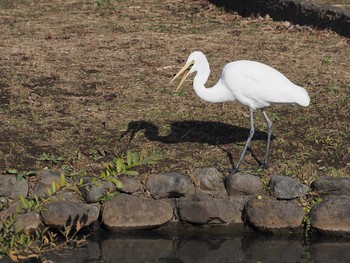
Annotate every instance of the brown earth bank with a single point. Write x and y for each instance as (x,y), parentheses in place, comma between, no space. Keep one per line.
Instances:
(81,82)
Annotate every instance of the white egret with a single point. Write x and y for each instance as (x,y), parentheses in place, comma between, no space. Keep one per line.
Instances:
(250,83)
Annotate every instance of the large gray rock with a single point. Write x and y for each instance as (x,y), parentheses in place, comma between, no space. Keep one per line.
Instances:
(93,189)
(201,208)
(332,216)
(327,185)
(130,185)
(243,184)
(168,185)
(28,221)
(284,187)
(270,215)
(240,201)
(126,212)
(10,187)
(67,195)
(60,214)
(46,178)
(208,178)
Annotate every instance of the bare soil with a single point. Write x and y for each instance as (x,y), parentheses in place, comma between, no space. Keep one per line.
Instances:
(88,80)
(342,4)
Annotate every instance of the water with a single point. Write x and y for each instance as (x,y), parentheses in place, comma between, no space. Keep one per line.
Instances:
(152,247)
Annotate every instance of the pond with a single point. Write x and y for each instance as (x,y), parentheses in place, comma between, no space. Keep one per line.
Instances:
(252,247)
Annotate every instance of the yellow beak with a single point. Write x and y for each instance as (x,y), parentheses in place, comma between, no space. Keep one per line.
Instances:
(186,69)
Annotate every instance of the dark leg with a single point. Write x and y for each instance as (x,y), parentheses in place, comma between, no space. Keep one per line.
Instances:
(269,125)
(251,134)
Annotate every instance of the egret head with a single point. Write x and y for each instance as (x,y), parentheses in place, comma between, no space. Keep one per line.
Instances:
(194,61)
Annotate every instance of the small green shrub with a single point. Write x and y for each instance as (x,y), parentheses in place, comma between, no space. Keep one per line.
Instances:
(121,165)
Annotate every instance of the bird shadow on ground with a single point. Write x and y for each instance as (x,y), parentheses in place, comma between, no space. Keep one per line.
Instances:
(212,133)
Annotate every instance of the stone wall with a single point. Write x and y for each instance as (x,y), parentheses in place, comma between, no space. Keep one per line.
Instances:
(173,201)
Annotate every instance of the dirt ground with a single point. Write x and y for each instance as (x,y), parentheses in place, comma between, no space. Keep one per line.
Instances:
(88,80)
(342,4)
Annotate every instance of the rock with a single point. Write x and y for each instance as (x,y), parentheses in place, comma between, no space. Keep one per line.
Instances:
(168,185)
(273,216)
(28,221)
(93,189)
(130,185)
(332,216)
(201,208)
(208,178)
(10,187)
(126,212)
(284,187)
(327,185)
(60,214)
(286,24)
(240,201)
(67,195)
(46,177)
(243,184)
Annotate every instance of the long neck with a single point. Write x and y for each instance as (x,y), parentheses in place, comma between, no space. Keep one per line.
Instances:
(217,93)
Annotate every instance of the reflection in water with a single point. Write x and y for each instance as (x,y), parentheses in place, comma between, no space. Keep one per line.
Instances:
(166,249)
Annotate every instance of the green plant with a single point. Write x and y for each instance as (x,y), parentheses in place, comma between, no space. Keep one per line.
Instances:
(30,204)
(101,2)
(11,239)
(36,203)
(307,209)
(20,175)
(266,182)
(70,232)
(334,88)
(121,165)
(107,196)
(51,158)
(326,60)
(22,244)
(5,203)
(19,243)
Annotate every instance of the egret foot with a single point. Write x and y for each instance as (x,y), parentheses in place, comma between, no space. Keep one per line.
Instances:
(264,166)
(235,170)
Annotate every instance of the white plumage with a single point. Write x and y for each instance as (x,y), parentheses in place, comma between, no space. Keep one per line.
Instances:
(250,83)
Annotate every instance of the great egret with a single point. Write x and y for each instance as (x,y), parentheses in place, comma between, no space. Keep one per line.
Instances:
(251,83)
